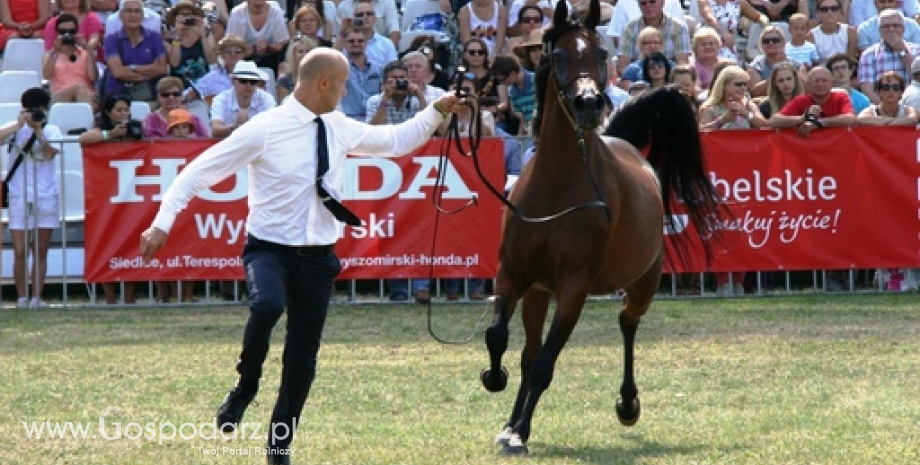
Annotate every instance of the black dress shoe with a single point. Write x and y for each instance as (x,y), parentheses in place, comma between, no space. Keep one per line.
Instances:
(279,456)
(231,411)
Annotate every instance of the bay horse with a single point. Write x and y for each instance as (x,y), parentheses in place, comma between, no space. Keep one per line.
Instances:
(613,238)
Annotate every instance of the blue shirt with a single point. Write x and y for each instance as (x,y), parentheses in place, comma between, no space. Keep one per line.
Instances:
(859,100)
(867,33)
(361,85)
(146,52)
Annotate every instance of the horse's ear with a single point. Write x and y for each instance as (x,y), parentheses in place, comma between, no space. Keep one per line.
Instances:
(561,17)
(594,15)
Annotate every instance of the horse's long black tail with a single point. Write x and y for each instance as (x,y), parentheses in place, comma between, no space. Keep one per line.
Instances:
(664,121)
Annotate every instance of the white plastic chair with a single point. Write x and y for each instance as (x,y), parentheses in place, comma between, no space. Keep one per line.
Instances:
(14,83)
(71,115)
(9,112)
(201,110)
(23,55)
(414,8)
(270,82)
(139,110)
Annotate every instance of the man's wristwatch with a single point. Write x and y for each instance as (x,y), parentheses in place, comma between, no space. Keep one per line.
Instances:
(133,68)
(902,53)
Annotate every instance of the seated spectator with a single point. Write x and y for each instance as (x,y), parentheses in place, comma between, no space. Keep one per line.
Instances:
(773,46)
(437,76)
(832,36)
(309,22)
(842,68)
(486,20)
(399,99)
(150,20)
(889,111)
(867,31)
(892,53)
(69,68)
(780,10)
(297,49)
(706,48)
(528,19)
(111,125)
(191,53)
(818,108)
(674,33)
(860,11)
(530,51)
(268,39)
(136,56)
(628,10)
(724,16)
(522,91)
(911,95)
(233,107)
(784,84)
(169,98)
(655,70)
(799,49)
(364,79)
(23,18)
(230,50)
(616,95)
(650,42)
(382,14)
(90,30)
(729,106)
(378,49)
(420,75)
(684,77)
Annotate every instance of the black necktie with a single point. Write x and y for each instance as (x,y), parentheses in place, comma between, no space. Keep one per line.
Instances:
(322,165)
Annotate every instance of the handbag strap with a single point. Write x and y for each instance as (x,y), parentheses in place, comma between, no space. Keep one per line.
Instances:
(24,150)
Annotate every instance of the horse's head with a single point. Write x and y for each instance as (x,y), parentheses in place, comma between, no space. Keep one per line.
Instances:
(578,64)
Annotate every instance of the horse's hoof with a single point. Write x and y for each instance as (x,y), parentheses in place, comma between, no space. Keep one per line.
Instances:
(515,446)
(628,414)
(494,381)
(504,437)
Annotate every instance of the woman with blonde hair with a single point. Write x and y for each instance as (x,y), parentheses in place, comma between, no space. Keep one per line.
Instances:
(297,49)
(785,84)
(773,48)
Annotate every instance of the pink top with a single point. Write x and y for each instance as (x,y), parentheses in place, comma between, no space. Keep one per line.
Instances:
(68,73)
(156,126)
(89,25)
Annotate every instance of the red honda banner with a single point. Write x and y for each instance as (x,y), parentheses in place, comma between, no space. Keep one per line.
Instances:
(407,227)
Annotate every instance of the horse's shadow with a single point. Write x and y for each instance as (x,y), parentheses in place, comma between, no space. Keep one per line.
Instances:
(634,448)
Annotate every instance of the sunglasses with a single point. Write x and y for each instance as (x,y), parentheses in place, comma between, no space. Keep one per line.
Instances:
(828,9)
(67,31)
(647,2)
(170,94)
(363,14)
(475,52)
(655,64)
(771,40)
(232,51)
(355,41)
(895,87)
(248,82)
(531,19)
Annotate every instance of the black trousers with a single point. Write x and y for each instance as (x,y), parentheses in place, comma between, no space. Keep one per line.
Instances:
(302,279)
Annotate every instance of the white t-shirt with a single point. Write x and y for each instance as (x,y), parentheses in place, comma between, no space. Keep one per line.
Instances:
(275,29)
(226,107)
(34,166)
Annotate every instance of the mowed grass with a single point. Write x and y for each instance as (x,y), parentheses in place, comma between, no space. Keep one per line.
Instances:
(795,380)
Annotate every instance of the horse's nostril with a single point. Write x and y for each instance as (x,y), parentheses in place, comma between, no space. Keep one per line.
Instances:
(579,103)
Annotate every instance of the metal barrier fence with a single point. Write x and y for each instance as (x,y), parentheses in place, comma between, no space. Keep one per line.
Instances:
(66,287)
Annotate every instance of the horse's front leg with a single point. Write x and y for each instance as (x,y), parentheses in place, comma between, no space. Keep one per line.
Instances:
(637,301)
(495,376)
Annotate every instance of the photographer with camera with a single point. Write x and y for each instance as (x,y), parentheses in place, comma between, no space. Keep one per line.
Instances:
(90,27)
(379,49)
(190,53)
(398,100)
(69,68)
(115,123)
(33,192)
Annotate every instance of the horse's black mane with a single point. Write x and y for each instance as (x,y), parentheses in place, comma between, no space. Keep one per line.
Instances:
(541,76)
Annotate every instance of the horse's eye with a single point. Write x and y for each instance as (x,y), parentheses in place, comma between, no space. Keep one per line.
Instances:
(557,57)
(602,54)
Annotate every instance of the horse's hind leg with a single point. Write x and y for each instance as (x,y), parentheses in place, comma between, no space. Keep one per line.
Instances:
(534,307)
(638,299)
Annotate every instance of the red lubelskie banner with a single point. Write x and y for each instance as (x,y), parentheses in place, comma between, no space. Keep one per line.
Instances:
(844,198)
(402,233)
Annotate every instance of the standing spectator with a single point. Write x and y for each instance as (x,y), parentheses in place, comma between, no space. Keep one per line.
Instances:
(382,13)
(522,90)
(136,56)
(676,46)
(23,18)
(230,50)
(234,107)
(34,193)
(261,24)
(191,54)
(90,30)
(911,95)
(867,32)
(308,22)
(799,49)
(364,79)
(832,36)
(784,85)
(169,98)
(842,67)
(69,68)
(818,108)
(773,46)
(890,111)
(378,49)
(297,49)
(650,41)
(892,53)
(725,17)
(486,20)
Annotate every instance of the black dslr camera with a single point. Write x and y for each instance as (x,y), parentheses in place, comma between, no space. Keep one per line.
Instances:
(68,39)
(402,84)
(135,130)
(37,113)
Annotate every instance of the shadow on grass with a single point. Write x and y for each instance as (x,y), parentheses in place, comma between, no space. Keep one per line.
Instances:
(641,450)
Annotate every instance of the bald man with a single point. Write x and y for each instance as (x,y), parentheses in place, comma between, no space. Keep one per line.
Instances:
(819,107)
(291,228)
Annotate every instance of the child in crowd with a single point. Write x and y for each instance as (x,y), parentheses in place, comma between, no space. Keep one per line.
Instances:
(180,124)
(799,49)
(684,77)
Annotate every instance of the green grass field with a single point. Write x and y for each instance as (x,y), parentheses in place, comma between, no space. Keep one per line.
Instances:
(796,380)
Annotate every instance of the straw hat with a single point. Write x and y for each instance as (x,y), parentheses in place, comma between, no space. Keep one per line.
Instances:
(235,41)
(534,38)
(177,117)
(182,5)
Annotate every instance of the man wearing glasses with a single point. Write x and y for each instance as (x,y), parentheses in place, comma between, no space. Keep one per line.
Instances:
(628,10)
(378,48)
(891,53)
(136,56)
(675,35)
(381,14)
(234,107)
(364,78)
(867,32)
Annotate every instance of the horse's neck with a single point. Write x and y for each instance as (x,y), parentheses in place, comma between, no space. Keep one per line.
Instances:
(557,131)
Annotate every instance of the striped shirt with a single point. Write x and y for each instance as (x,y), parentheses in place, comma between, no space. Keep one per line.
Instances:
(880,58)
(524,100)
(676,38)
